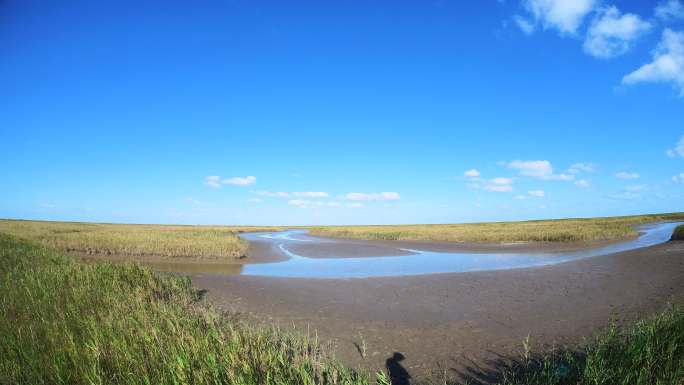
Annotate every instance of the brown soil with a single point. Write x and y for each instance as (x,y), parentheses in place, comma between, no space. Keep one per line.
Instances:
(453,325)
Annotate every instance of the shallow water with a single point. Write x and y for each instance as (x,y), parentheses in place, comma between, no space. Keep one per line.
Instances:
(425,262)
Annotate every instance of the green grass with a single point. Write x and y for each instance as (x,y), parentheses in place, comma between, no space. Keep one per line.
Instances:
(561,230)
(67,322)
(651,352)
(177,242)
(678,234)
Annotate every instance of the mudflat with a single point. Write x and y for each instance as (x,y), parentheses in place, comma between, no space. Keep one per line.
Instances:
(457,325)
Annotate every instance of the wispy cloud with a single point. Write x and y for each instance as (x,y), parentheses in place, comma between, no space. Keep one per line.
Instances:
(583,183)
(472,173)
(383,196)
(311,204)
(627,175)
(578,168)
(670,10)
(679,178)
(678,149)
(240,181)
(564,16)
(254,200)
(272,194)
(612,33)
(493,185)
(667,65)
(298,194)
(305,204)
(525,25)
(532,168)
(193,201)
(215,181)
(540,169)
(536,193)
(311,194)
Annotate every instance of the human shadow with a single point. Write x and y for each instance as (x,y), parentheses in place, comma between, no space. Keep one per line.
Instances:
(398,374)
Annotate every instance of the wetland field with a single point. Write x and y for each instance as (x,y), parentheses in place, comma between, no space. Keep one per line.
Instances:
(64,323)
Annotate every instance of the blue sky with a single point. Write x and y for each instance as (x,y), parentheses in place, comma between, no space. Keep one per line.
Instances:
(355,112)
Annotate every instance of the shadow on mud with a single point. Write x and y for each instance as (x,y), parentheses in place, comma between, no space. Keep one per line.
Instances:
(397,373)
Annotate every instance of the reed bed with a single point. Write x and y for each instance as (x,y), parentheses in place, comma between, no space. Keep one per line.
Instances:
(561,230)
(651,352)
(67,322)
(189,242)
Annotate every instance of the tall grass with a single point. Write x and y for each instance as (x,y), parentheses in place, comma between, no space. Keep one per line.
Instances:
(196,242)
(562,230)
(649,353)
(66,322)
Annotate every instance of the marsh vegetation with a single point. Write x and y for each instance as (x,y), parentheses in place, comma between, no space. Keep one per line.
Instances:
(560,230)
(68,322)
(177,242)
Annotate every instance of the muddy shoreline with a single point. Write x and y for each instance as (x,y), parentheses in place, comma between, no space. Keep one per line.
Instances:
(450,324)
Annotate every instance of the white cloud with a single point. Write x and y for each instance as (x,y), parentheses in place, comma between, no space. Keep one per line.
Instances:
(533,168)
(498,187)
(307,204)
(540,169)
(564,15)
(311,204)
(536,193)
(193,201)
(565,177)
(213,181)
(612,33)
(582,167)
(526,26)
(583,183)
(311,194)
(493,185)
(254,200)
(472,173)
(383,196)
(678,178)
(667,65)
(240,181)
(520,197)
(678,149)
(272,194)
(627,175)
(501,181)
(669,10)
